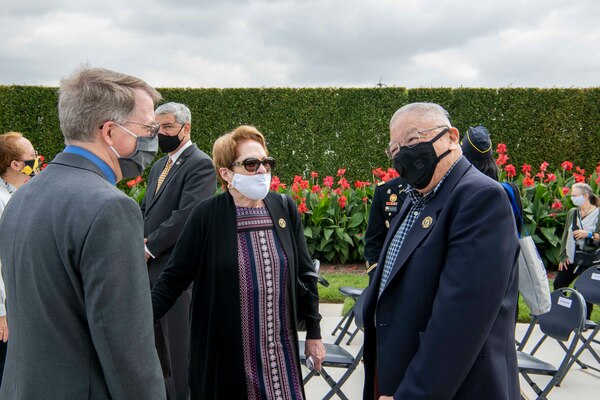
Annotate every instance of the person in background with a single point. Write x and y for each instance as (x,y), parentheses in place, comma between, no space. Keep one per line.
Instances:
(245,252)
(72,247)
(581,232)
(439,316)
(387,200)
(477,148)
(176,183)
(18,162)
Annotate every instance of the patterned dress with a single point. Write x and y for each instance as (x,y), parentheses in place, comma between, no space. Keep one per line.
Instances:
(270,360)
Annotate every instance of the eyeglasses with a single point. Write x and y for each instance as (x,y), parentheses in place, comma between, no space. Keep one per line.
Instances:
(153,129)
(413,139)
(253,164)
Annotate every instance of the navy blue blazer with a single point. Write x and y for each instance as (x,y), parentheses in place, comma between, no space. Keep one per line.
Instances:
(443,327)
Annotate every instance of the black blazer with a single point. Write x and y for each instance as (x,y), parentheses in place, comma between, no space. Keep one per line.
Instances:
(446,319)
(191,179)
(207,255)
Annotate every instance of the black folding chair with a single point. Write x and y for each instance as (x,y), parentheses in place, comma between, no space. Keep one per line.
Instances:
(566,319)
(346,322)
(337,357)
(588,284)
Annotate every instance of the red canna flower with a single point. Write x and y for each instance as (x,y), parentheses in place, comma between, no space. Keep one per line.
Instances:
(297,178)
(138,179)
(341,172)
(304,184)
(550,178)
(41,158)
(275,183)
(392,173)
(328,181)
(502,159)
(337,191)
(131,183)
(567,165)
(342,201)
(314,175)
(598,168)
(501,148)
(580,170)
(316,189)
(540,175)
(526,168)
(579,177)
(544,166)
(557,205)
(344,184)
(511,171)
(359,184)
(302,206)
(565,191)
(528,181)
(365,199)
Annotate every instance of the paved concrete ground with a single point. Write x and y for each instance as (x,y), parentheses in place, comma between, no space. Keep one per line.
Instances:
(578,385)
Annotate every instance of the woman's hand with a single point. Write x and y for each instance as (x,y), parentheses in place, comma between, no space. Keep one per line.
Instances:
(315,348)
(563,265)
(580,234)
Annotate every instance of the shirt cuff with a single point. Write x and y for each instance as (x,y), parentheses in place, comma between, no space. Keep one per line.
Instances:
(148,251)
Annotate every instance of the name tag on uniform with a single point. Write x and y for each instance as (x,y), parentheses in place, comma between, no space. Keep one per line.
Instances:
(391,209)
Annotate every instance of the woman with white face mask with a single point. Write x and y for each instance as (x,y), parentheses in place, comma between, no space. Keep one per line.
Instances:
(581,232)
(245,252)
(18,161)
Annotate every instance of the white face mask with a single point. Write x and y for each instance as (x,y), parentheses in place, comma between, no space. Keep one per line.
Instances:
(578,200)
(254,187)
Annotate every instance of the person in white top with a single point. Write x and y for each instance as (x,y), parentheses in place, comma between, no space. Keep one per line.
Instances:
(18,161)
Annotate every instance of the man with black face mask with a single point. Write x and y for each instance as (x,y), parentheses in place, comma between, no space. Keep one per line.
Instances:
(440,313)
(177,182)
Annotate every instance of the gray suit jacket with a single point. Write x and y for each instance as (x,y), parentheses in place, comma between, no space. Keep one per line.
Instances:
(79,301)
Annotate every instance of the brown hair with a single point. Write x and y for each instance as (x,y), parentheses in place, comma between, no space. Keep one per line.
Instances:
(224,150)
(9,150)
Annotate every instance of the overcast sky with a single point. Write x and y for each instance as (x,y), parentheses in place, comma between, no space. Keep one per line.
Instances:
(298,43)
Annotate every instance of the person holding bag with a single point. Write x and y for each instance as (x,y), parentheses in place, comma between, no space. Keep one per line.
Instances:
(581,237)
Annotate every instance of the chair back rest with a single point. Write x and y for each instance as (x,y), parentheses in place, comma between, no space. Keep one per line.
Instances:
(588,284)
(566,315)
(358,309)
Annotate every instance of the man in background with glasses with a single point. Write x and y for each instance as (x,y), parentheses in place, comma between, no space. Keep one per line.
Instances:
(177,182)
(73,254)
(440,312)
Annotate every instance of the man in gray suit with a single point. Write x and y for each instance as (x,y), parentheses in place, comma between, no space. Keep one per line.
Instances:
(72,254)
(177,182)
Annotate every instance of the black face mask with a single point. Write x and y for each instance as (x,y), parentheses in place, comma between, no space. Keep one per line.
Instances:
(417,164)
(167,143)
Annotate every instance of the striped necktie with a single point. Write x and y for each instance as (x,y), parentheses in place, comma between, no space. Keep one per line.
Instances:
(163,174)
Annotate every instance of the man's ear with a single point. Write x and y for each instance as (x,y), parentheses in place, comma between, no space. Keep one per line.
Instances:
(187,127)
(454,136)
(14,165)
(106,133)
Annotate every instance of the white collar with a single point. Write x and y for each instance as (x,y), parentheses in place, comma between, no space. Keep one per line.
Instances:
(175,156)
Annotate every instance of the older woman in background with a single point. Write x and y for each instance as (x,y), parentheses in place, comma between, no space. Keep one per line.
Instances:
(246,254)
(18,161)
(582,232)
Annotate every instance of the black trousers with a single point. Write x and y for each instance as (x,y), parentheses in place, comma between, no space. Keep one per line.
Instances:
(2,358)
(565,277)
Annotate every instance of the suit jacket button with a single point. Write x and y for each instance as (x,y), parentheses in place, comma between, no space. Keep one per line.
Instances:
(382,324)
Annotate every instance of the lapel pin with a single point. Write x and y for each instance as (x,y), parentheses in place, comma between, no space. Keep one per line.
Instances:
(387,224)
(282,222)
(427,222)
(393,198)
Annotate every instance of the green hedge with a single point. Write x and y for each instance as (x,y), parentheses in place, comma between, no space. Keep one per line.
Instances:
(325,129)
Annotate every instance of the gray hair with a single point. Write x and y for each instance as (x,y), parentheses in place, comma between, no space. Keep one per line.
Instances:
(92,96)
(180,111)
(587,189)
(433,111)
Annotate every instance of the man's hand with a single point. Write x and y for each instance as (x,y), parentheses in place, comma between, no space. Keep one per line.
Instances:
(386,398)
(315,348)
(3,329)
